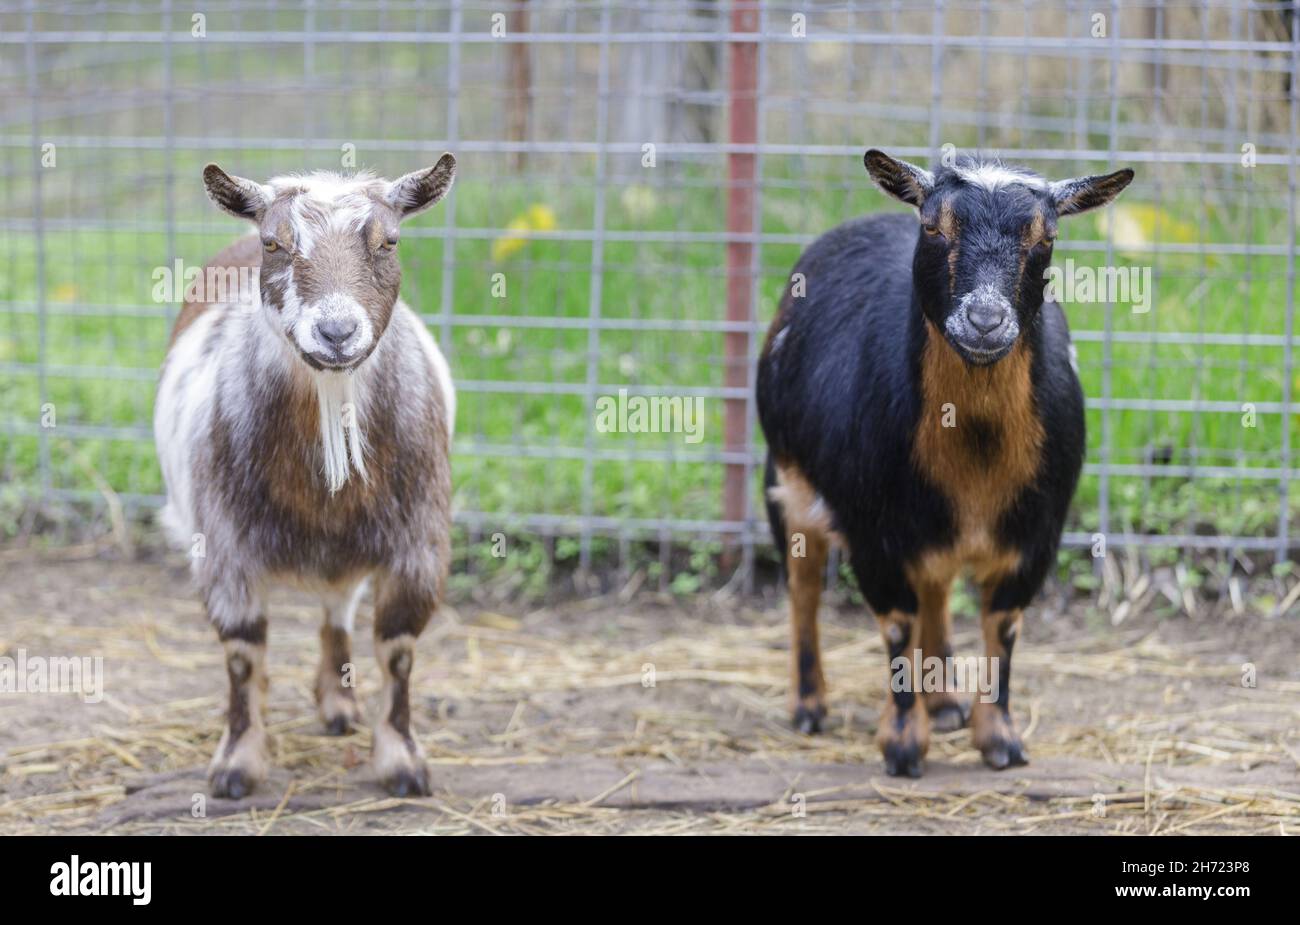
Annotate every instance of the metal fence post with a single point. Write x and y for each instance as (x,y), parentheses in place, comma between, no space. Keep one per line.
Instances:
(741,174)
(597,286)
(38,227)
(1284,514)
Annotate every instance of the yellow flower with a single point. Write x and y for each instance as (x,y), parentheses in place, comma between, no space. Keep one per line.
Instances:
(508,245)
(1137,225)
(541,218)
(536,217)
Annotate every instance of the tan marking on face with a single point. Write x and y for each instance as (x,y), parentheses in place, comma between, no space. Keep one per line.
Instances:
(951,230)
(980,490)
(947,222)
(1037,229)
(1035,233)
(277,220)
(381,224)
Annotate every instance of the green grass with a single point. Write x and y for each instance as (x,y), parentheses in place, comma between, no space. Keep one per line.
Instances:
(98,284)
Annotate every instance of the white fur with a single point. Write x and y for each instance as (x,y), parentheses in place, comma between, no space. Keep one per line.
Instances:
(956,324)
(181,416)
(441,371)
(985,293)
(190,381)
(323,185)
(341,604)
(342,444)
(345,198)
(994,176)
(299,319)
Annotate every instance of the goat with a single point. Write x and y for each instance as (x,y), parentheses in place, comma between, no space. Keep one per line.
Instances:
(923,411)
(303,427)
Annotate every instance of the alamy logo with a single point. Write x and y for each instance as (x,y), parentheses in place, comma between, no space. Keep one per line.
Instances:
(1079,284)
(56,674)
(103,878)
(228,285)
(651,414)
(972,674)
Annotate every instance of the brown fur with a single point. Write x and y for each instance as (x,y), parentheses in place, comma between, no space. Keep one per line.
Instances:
(367,523)
(980,487)
(1036,233)
(403,608)
(993,731)
(901,729)
(809,532)
(357,265)
(806,574)
(935,632)
(997,400)
(241,755)
(246,252)
(336,700)
(981,464)
(950,228)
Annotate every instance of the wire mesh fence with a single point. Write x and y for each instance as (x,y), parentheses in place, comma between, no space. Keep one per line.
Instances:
(636,181)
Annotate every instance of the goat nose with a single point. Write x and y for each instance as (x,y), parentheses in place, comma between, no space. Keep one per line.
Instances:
(985,318)
(336,331)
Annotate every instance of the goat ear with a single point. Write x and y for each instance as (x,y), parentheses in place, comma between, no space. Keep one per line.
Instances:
(1084,193)
(235,195)
(905,182)
(415,192)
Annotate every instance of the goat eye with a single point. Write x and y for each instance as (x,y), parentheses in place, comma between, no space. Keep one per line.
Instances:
(389,243)
(270,245)
(932,230)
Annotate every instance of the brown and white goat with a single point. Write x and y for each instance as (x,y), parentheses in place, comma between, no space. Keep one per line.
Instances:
(303,427)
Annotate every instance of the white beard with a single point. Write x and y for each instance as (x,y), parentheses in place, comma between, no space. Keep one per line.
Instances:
(343,446)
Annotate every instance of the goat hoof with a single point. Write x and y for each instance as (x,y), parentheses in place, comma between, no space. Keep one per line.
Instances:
(1002,755)
(408,782)
(902,761)
(338,726)
(808,720)
(337,708)
(232,784)
(949,716)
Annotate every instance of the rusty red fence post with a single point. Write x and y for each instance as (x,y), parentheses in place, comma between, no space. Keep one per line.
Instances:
(741,175)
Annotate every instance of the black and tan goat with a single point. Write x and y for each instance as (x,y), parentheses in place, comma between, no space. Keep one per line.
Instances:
(303,426)
(921,409)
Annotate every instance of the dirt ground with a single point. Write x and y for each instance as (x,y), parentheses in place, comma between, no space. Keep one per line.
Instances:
(544,721)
